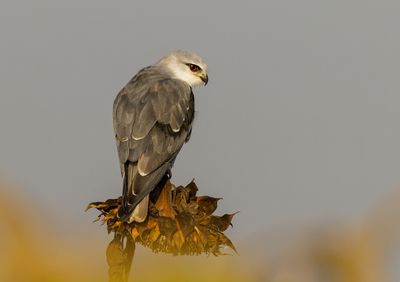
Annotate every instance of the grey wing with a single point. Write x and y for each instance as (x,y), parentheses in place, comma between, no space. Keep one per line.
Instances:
(151,125)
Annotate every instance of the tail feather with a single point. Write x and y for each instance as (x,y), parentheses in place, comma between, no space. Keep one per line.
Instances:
(124,209)
(136,190)
(139,214)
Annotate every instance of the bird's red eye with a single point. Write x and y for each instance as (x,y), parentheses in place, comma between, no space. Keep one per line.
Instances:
(194,68)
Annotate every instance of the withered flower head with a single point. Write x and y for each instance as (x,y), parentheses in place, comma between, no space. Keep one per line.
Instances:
(179,222)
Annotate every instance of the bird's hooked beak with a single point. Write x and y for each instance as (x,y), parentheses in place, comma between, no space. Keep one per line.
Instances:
(204,77)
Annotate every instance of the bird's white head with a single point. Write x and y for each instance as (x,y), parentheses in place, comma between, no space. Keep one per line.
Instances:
(186,66)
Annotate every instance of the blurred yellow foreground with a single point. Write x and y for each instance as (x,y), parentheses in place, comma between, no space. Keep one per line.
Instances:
(362,252)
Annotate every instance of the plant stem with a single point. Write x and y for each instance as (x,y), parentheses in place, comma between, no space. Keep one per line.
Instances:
(119,258)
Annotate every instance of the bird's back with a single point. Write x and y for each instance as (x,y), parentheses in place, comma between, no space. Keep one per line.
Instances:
(152,117)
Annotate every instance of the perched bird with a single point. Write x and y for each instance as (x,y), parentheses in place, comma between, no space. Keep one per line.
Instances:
(152,118)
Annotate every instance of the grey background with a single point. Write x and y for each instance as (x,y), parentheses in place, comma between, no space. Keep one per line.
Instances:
(298,124)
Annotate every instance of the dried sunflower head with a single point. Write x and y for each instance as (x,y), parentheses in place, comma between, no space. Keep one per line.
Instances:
(179,222)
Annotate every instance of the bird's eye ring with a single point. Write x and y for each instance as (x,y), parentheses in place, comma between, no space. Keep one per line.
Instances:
(194,68)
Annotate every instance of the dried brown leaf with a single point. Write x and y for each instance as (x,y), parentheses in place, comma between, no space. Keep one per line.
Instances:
(207,205)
